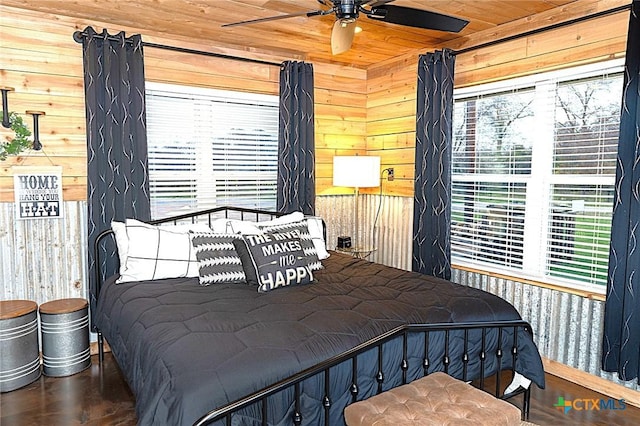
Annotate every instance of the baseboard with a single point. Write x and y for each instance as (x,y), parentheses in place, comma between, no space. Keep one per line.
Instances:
(598,384)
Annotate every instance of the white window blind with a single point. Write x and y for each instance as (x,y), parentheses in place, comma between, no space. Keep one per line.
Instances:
(533,170)
(209,148)
(586,127)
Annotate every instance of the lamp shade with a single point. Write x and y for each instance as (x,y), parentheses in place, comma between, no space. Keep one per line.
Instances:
(362,171)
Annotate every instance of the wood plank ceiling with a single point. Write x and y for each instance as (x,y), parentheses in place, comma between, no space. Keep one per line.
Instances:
(297,38)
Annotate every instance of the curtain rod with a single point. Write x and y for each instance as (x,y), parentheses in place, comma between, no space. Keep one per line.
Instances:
(543,29)
(203,53)
(79,35)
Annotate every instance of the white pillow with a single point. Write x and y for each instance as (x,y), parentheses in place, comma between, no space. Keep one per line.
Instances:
(122,242)
(246,227)
(316,231)
(287,218)
(234,226)
(154,252)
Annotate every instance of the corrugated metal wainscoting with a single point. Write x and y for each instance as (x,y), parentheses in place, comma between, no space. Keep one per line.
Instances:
(567,328)
(43,259)
(391,236)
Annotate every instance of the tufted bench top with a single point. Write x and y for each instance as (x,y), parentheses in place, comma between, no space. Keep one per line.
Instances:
(437,399)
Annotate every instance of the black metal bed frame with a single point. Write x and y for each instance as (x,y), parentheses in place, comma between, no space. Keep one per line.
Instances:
(223,415)
(377,344)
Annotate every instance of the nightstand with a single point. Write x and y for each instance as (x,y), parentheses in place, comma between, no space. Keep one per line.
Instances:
(359,252)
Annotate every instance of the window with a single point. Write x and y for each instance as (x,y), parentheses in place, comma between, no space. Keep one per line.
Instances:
(210,148)
(533,172)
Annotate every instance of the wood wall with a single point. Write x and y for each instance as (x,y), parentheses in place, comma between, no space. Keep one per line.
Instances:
(391,86)
(357,111)
(40,59)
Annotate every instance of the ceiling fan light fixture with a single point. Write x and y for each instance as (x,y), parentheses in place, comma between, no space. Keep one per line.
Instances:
(344,22)
(342,36)
(346,9)
(347,12)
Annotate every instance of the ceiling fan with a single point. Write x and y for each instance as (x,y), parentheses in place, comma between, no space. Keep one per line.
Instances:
(347,12)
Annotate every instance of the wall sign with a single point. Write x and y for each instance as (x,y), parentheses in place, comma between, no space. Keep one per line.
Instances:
(37,191)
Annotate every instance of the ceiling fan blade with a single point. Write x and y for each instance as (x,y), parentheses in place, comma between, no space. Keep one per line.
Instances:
(417,18)
(275,18)
(376,3)
(342,36)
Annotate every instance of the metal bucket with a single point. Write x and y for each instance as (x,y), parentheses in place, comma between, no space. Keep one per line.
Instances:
(65,342)
(19,352)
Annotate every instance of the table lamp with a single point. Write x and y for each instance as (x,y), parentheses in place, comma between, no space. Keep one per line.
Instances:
(358,171)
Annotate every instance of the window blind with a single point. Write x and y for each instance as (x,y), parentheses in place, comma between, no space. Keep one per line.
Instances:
(586,127)
(533,169)
(209,148)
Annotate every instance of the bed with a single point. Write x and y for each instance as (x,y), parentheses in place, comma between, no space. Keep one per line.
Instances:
(227,354)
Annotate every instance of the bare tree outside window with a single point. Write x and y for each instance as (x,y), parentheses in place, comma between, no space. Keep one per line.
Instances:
(491,138)
(587,126)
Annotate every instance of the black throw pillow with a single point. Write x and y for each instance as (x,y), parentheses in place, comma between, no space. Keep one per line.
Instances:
(273,260)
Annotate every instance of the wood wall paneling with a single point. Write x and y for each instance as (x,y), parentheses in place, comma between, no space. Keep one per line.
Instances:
(340,120)
(391,122)
(586,42)
(391,86)
(357,111)
(47,74)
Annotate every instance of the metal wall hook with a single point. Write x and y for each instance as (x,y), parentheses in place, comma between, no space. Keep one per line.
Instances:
(36,129)
(5,106)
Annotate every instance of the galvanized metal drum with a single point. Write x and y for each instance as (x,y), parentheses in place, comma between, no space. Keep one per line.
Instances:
(65,337)
(19,351)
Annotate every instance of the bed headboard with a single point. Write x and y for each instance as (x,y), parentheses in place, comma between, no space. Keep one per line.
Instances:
(104,248)
(105,240)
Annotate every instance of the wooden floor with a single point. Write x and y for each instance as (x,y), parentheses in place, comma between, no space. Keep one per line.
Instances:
(99,396)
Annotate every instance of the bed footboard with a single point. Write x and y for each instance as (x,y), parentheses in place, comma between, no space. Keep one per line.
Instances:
(477,352)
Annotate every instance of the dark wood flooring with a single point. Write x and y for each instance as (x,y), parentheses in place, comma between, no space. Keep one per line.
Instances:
(100,396)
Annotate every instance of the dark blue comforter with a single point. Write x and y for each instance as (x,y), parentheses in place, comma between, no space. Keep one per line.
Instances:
(186,349)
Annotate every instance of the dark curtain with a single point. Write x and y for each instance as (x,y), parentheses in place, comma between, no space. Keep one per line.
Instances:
(296,165)
(621,340)
(432,199)
(117,182)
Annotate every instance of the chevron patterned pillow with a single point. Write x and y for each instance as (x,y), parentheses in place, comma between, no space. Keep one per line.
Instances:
(217,258)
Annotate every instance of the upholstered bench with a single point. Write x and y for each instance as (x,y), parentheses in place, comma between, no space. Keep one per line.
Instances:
(437,399)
